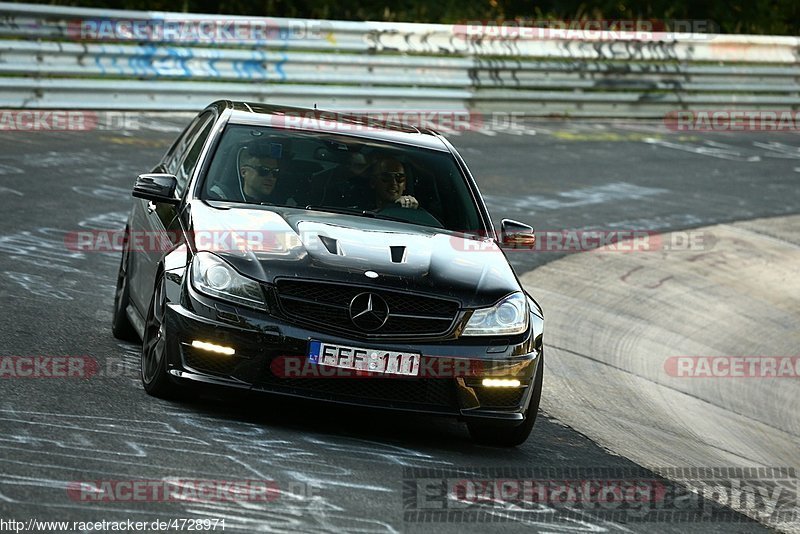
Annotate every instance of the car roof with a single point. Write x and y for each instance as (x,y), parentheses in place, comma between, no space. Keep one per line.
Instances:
(334,122)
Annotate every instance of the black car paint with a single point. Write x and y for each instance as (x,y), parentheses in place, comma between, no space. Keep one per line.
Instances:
(436,262)
(437,266)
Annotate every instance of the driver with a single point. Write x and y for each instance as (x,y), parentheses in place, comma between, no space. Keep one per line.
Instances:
(388,182)
(259,169)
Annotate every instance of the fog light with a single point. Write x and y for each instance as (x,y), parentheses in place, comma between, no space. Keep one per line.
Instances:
(211,347)
(500,383)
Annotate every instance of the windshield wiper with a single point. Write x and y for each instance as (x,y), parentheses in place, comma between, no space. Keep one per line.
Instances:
(344,211)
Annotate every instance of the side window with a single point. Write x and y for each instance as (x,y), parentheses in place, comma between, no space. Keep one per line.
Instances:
(178,148)
(173,155)
(186,167)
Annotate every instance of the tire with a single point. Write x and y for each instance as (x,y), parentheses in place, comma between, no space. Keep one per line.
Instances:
(155,379)
(506,435)
(121,326)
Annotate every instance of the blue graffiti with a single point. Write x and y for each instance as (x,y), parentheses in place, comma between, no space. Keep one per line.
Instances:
(252,69)
(212,67)
(279,66)
(181,56)
(98,60)
(142,64)
(152,61)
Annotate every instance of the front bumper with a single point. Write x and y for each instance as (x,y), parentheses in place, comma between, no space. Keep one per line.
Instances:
(450,381)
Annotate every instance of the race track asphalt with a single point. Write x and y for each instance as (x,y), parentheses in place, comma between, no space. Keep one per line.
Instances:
(338,470)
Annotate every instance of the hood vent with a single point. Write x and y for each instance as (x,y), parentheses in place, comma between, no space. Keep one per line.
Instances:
(398,254)
(331,244)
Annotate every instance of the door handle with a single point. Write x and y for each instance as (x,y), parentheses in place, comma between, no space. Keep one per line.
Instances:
(151,206)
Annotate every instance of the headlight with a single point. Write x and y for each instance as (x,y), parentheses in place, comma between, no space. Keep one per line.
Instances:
(509,316)
(214,277)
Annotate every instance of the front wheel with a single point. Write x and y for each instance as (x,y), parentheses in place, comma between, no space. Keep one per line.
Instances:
(155,379)
(121,326)
(511,436)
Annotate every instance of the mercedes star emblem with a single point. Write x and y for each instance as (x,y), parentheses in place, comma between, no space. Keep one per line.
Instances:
(368,311)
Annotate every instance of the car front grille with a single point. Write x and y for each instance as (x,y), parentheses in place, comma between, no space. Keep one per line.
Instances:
(327,306)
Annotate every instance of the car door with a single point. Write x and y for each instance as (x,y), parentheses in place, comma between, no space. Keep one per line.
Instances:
(157,223)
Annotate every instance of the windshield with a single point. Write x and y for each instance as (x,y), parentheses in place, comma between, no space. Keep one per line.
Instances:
(331,172)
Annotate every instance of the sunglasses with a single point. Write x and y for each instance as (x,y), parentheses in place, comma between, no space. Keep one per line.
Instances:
(396,176)
(263,170)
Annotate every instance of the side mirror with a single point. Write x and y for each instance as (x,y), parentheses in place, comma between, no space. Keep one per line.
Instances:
(156,187)
(515,234)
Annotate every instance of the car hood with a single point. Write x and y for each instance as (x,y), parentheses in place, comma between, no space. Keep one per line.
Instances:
(267,243)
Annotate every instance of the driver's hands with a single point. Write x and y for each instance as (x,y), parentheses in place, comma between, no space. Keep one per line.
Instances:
(407,201)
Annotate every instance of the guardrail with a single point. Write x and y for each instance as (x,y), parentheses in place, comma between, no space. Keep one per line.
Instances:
(66,57)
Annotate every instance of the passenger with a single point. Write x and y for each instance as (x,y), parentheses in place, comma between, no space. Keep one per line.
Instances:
(344,179)
(388,181)
(357,164)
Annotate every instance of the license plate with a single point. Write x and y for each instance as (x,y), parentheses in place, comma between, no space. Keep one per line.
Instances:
(368,360)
